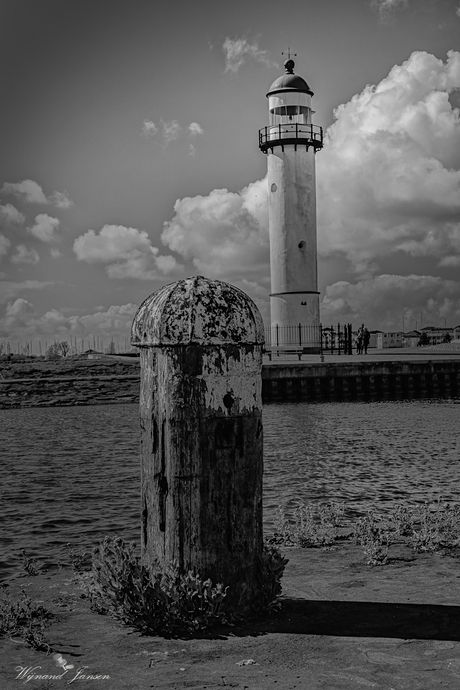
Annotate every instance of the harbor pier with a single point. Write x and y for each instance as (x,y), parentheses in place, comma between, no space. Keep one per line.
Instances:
(381,375)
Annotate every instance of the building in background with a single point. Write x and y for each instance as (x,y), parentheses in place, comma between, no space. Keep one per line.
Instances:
(411,339)
(393,339)
(438,335)
(373,338)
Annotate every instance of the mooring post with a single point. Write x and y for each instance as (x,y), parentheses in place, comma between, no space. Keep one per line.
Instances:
(201,450)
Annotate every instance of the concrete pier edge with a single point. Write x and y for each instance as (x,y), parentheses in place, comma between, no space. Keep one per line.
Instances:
(374,377)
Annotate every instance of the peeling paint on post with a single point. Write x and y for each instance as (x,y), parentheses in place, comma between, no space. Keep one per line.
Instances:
(201,430)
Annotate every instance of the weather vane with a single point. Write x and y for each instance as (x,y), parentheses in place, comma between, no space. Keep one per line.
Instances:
(289,54)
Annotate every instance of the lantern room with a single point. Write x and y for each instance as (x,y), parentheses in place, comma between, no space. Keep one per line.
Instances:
(289,102)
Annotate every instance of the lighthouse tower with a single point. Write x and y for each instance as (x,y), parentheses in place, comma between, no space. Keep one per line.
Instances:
(290,142)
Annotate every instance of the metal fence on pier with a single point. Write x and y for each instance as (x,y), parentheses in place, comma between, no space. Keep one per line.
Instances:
(335,340)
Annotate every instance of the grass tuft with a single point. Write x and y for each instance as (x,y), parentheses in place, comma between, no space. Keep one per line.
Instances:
(29,564)
(374,540)
(438,527)
(308,528)
(20,618)
(79,560)
(433,526)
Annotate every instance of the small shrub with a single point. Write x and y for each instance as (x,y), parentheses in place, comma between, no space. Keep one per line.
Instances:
(431,527)
(449,526)
(271,571)
(92,592)
(77,559)
(438,528)
(20,618)
(374,540)
(403,520)
(307,529)
(29,564)
(153,600)
(331,513)
(283,528)
(426,537)
(307,532)
(166,600)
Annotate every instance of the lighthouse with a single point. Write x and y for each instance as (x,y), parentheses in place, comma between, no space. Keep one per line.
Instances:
(291,142)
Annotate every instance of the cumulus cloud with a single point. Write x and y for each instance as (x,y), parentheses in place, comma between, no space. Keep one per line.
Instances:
(4,245)
(149,128)
(237,51)
(260,294)
(110,321)
(11,214)
(457,11)
(387,7)
(194,128)
(224,233)
(17,314)
(382,302)
(21,320)
(24,255)
(127,252)
(9,289)
(170,130)
(389,174)
(45,228)
(60,200)
(30,192)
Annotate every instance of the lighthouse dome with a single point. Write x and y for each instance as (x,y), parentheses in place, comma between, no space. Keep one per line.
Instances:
(290,81)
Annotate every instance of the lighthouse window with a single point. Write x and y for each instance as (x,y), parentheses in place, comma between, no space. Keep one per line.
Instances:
(289,110)
(289,114)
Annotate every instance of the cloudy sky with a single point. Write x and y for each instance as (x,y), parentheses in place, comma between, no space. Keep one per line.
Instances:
(129,156)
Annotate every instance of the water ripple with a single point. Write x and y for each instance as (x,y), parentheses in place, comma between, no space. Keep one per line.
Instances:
(73,475)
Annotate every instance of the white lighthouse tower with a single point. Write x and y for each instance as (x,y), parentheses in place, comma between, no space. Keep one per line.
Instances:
(291,142)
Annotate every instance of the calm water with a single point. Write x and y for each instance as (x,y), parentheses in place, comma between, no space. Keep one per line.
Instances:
(71,474)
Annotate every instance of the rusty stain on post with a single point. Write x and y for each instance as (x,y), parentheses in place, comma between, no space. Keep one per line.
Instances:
(201,430)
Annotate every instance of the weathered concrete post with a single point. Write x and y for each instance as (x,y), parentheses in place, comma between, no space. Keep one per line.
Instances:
(201,430)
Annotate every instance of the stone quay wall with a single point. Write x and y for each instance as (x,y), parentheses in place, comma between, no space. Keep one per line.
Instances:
(322,382)
(361,381)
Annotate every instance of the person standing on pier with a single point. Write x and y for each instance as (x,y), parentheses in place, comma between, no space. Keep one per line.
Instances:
(366,336)
(359,340)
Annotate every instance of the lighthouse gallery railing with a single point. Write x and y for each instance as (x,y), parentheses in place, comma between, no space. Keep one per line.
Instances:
(297,134)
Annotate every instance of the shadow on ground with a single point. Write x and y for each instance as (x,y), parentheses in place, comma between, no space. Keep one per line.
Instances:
(347,619)
(362,619)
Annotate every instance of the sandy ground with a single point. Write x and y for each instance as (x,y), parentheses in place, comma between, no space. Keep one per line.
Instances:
(342,625)
(79,367)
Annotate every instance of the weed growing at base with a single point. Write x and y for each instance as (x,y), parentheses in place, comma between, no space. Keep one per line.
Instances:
(166,600)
